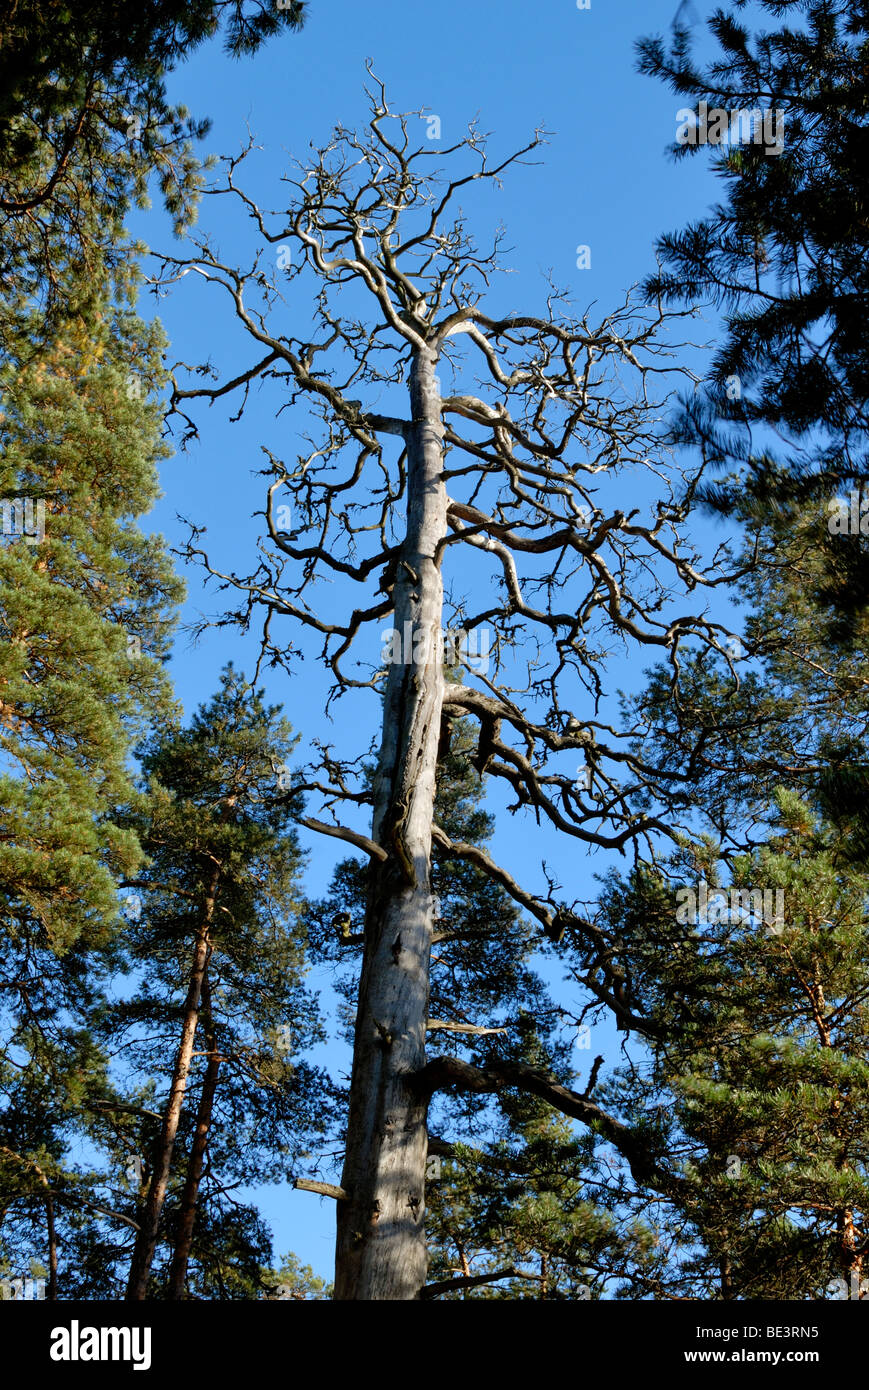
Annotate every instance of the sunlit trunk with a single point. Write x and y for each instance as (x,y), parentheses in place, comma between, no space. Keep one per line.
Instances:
(381,1237)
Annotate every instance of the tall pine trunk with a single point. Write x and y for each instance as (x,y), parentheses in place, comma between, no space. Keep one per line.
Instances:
(190,1195)
(381,1250)
(850,1253)
(146,1239)
(52,1249)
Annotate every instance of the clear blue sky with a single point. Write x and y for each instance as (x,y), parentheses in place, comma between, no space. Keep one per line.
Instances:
(605,180)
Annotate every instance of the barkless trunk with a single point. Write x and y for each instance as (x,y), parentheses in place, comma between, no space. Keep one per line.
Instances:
(381,1235)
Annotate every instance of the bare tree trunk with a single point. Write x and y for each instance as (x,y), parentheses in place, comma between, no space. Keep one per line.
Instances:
(190,1196)
(381,1234)
(146,1239)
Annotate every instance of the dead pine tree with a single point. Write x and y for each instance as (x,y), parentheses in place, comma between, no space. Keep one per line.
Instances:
(503,487)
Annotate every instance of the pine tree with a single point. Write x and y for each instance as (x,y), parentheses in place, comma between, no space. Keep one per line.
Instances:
(760,1061)
(87,605)
(87,600)
(218,960)
(750,1008)
(293,1280)
(85,614)
(784,257)
(530,1214)
(84,126)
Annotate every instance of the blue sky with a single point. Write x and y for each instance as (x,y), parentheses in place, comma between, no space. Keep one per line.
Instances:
(605,180)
